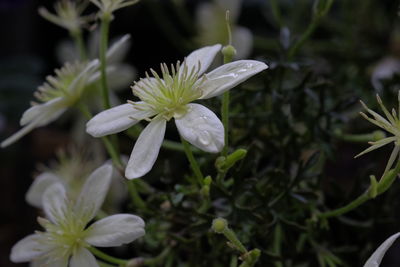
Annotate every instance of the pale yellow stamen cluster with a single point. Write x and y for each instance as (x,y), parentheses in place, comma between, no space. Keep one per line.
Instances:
(58,85)
(168,95)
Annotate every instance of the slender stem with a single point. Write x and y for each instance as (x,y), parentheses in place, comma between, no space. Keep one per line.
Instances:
(106,257)
(193,162)
(136,199)
(78,39)
(318,15)
(383,185)
(105,26)
(159,258)
(107,143)
(228,57)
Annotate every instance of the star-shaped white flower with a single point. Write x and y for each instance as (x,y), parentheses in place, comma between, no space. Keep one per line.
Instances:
(62,91)
(170,96)
(66,238)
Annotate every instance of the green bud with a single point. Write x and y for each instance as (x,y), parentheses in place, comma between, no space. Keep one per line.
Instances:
(219,225)
(373,189)
(207,180)
(229,52)
(205,191)
(378,135)
(224,164)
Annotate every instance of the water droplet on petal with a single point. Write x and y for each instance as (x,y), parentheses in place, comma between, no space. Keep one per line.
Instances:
(204,138)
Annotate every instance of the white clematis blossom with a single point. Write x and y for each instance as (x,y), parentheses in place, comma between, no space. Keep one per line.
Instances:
(377,256)
(67,239)
(169,96)
(62,91)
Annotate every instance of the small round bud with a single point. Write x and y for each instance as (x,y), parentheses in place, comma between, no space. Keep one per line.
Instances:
(229,52)
(219,225)
(378,135)
(207,180)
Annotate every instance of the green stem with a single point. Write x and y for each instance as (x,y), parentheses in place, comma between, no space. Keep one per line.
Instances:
(136,199)
(360,138)
(318,15)
(193,162)
(78,39)
(228,57)
(106,257)
(383,185)
(105,26)
(276,12)
(107,143)
(159,258)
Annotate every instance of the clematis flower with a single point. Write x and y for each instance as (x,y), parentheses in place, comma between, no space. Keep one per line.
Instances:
(213,13)
(72,169)
(390,124)
(68,15)
(169,96)
(107,7)
(67,236)
(62,91)
(376,258)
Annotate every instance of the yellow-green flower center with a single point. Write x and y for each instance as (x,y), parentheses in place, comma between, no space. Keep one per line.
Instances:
(168,95)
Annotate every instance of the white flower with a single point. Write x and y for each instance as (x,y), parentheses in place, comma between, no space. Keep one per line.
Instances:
(169,96)
(107,7)
(213,13)
(68,14)
(66,238)
(385,69)
(377,256)
(62,91)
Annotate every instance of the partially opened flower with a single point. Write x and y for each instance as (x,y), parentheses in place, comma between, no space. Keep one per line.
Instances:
(169,96)
(390,124)
(107,7)
(68,14)
(62,91)
(376,258)
(67,237)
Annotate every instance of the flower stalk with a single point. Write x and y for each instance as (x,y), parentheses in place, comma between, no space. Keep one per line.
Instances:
(193,163)
(110,259)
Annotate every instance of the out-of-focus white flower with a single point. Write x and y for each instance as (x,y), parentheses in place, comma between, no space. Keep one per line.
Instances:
(107,7)
(66,238)
(119,74)
(68,15)
(214,14)
(385,69)
(377,256)
(72,169)
(169,96)
(62,91)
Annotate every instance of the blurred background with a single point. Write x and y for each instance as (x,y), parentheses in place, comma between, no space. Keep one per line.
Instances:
(353,53)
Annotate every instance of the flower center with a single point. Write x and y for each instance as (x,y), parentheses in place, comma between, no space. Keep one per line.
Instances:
(65,236)
(168,95)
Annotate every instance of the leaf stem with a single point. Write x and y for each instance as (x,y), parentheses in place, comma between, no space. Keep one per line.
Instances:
(383,185)
(78,39)
(193,162)
(106,257)
(105,26)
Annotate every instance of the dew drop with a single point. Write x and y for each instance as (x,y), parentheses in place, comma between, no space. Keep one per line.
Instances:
(204,138)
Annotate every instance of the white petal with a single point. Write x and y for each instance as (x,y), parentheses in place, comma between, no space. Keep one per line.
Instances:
(146,149)
(202,128)
(93,192)
(38,187)
(115,120)
(229,75)
(242,40)
(377,256)
(115,230)
(83,257)
(36,117)
(203,55)
(118,49)
(120,76)
(54,201)
(27,249)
